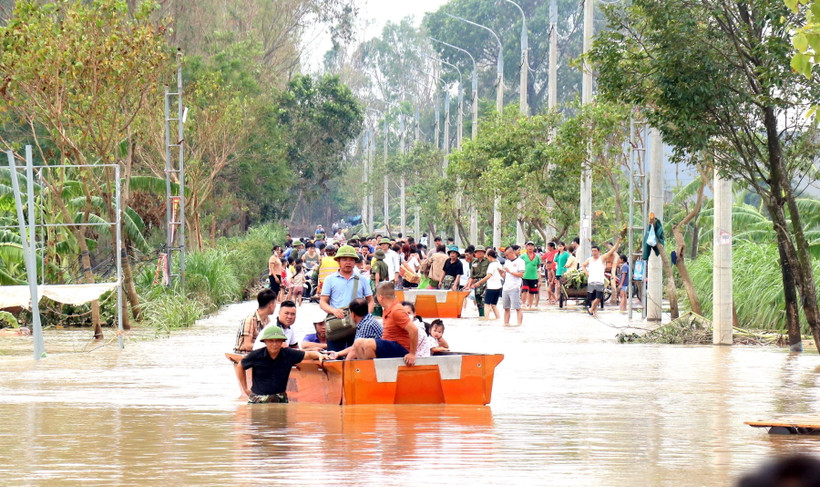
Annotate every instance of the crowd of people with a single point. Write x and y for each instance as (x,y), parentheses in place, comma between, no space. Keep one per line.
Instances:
(355,280)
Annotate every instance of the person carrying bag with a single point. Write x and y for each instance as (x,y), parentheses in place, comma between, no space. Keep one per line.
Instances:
(337,293)
(342,328)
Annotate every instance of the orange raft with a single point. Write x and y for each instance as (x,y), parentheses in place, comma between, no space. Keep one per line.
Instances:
(435,303)
(451,378)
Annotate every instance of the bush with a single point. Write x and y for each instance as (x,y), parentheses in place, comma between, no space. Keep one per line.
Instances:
(757,282)
(171,311)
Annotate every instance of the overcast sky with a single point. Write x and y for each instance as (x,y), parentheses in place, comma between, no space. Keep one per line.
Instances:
(373,14)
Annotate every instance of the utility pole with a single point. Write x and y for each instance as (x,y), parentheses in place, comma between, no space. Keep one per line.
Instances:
(499,106)
(585,223)
(654,302)
(386,186)
(552,89)
(365,183)
(402,183)
(722,292)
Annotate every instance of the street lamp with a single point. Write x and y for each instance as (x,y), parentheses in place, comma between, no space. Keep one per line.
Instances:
(474,101)
(499,106)
(525,65)
(499,99)
(460,104)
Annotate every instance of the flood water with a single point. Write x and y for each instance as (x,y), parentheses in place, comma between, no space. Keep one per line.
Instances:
(570,407)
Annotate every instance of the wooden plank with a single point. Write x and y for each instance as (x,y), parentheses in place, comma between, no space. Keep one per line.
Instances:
(796,422)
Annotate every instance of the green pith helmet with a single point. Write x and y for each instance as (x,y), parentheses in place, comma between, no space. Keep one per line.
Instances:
(384,241)
(347,251)
(379,254)
(272,332)
(297,243)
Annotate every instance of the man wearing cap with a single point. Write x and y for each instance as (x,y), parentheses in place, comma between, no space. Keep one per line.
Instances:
(478,270)
(400,337)
(343,287)
(316,341)
(391,258)
(270,367)
(529,287)
(452,269)
(378,275)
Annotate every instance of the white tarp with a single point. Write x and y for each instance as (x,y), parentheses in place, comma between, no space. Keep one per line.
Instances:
(75,294)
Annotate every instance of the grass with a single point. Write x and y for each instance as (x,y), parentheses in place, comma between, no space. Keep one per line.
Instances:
(213,278)
(757,282)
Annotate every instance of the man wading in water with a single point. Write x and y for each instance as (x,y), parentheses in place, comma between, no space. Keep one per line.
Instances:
(271,367)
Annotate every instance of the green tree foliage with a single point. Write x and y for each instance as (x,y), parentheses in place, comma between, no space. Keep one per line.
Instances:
(715,77)
(320,117)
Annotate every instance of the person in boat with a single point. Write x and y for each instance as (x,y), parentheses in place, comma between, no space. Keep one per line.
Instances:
(366,327)
(423,347)
(436,335)
(340,289)
(316,341)
(270,367)
(253,325)
(400,337)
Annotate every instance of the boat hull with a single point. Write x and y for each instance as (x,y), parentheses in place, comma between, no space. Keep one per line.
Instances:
(451,378)
(435,303)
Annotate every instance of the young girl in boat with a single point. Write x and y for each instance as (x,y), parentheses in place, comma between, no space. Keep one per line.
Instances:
(438,344)
(298,282)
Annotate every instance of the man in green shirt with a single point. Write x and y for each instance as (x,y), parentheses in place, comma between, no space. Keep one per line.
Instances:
(529,287)
(478,269)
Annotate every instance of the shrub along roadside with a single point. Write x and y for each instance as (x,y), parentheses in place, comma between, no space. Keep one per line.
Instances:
(213,278)
(757,281)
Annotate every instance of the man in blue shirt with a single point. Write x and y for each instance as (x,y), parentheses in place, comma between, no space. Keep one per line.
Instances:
(340,289)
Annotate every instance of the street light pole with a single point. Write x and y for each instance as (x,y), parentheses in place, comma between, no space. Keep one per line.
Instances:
(499,106)
(585,223)
(552,96)
(525,65)
(474,101)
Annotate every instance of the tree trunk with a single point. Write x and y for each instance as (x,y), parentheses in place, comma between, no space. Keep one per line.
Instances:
(674,313)
(128,283)
(797,258)
(695,236)
(212,232)
(677,231)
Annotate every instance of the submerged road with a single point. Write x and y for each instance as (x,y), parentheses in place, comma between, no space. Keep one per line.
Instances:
(570,407)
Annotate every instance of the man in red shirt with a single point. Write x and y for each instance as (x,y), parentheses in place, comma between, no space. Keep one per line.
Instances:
(548,258)
(400,337)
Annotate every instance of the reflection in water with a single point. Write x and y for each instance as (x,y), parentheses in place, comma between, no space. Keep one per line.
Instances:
(570,407)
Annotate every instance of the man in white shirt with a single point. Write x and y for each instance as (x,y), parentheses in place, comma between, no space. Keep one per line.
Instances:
(594,269)
(391,257)
(511,292)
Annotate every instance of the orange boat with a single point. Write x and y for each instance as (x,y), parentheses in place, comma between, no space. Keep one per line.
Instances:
(435,303)
(450,378)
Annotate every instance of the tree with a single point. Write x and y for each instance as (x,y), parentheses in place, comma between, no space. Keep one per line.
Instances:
(78,75)
(319,118)
(715,76)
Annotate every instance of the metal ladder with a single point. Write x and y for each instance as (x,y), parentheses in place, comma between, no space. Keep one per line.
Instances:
(174,183)
(638,204)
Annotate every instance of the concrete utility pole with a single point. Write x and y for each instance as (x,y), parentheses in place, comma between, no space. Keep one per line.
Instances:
(585,224)
(552,88)
(722,263)
(416,224)
(654,302)
(386,186)
(446,126)
(402,184)
(525,65)
(365,173)
(499,106)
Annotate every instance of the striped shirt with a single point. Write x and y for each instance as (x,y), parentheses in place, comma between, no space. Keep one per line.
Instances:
(369,328)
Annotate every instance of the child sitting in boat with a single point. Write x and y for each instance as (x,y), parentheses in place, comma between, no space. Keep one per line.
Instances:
(435,330)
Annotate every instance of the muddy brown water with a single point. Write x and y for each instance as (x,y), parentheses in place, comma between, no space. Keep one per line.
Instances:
(570,407)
